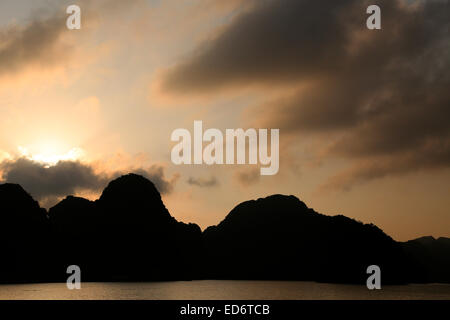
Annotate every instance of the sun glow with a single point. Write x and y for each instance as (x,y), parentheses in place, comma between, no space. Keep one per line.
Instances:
(50,155)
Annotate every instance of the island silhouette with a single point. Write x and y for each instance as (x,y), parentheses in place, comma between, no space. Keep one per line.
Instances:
(129,235)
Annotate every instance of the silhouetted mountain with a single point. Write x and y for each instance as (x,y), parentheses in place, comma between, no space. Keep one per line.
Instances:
(75,234)
(431,258)
(129,235)
(279,237)
(24,236)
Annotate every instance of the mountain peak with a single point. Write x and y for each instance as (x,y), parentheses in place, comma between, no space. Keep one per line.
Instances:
(130,186)
(13,196)
(424,240)
(286,199)
(12,188)
(267,208)
(132,195)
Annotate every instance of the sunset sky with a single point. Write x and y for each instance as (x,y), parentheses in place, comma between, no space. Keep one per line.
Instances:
(363,114)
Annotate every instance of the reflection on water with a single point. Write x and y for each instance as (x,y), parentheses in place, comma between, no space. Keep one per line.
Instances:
(213,289)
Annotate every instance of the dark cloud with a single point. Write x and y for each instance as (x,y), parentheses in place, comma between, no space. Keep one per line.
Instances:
(201,182)
(40,41)
(69,177)
(64,178)
(37,42)
(248,177)
(278,41)
(382,94)
(433,156)
(155,173)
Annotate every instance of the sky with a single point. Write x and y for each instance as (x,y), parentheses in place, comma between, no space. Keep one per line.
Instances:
(363,114)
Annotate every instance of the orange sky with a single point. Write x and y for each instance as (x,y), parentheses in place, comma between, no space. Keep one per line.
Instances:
(363,115)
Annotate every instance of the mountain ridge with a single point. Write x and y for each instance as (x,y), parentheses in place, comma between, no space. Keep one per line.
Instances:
(129,235)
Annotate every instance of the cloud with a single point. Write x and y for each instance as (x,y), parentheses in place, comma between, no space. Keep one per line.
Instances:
(45,41)
(270,44)
(38,42)
(429,157)
(381,95)
(155,173)
(248,177)
(64,178)
(201,182)
(69,177)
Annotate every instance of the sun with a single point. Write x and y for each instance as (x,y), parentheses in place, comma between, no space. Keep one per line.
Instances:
(50,153)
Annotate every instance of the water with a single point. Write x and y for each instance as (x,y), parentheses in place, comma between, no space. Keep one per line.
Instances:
(214,289)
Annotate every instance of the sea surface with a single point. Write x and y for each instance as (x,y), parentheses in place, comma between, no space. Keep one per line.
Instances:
(215,289)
